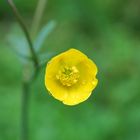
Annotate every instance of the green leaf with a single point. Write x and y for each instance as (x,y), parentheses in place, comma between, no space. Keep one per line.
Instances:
(44,57)
(45,31)
(18,44)
(22,57)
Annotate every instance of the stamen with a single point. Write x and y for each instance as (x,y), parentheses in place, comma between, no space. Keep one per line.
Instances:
(68,76)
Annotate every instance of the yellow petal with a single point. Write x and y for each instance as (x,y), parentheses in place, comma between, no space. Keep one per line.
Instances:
(82,89)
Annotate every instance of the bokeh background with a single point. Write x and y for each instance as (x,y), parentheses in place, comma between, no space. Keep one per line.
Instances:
(108,31)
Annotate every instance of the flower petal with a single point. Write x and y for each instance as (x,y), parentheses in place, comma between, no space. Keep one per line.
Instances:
(87,81)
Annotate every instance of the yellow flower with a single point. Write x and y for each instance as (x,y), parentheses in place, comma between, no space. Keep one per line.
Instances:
(70,77)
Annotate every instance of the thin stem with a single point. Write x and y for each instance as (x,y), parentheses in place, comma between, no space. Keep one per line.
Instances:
(38,15)
(24,113)
(24,28)
(27,77)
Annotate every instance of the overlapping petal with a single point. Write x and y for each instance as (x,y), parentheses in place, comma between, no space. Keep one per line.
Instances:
(79,91)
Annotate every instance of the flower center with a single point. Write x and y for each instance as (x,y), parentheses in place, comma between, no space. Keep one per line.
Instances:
(68,75)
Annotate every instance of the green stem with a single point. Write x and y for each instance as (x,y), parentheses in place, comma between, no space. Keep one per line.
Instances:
(24,113)
(38,15)
(27,77)
(24,28)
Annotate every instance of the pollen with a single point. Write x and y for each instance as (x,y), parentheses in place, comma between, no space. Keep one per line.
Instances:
(68,76)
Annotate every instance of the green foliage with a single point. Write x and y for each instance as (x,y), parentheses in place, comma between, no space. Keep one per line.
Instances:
(44,57)
(19,44)
(107,31)
(43,34)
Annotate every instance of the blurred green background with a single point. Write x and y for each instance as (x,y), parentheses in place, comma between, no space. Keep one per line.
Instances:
(108,31)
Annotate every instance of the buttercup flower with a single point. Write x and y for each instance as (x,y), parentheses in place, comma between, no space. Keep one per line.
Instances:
(71,77)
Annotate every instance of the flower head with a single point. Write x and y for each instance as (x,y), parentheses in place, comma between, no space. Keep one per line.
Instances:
(71,77)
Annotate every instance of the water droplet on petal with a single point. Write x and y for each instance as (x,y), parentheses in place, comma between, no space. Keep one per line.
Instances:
(94,82)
